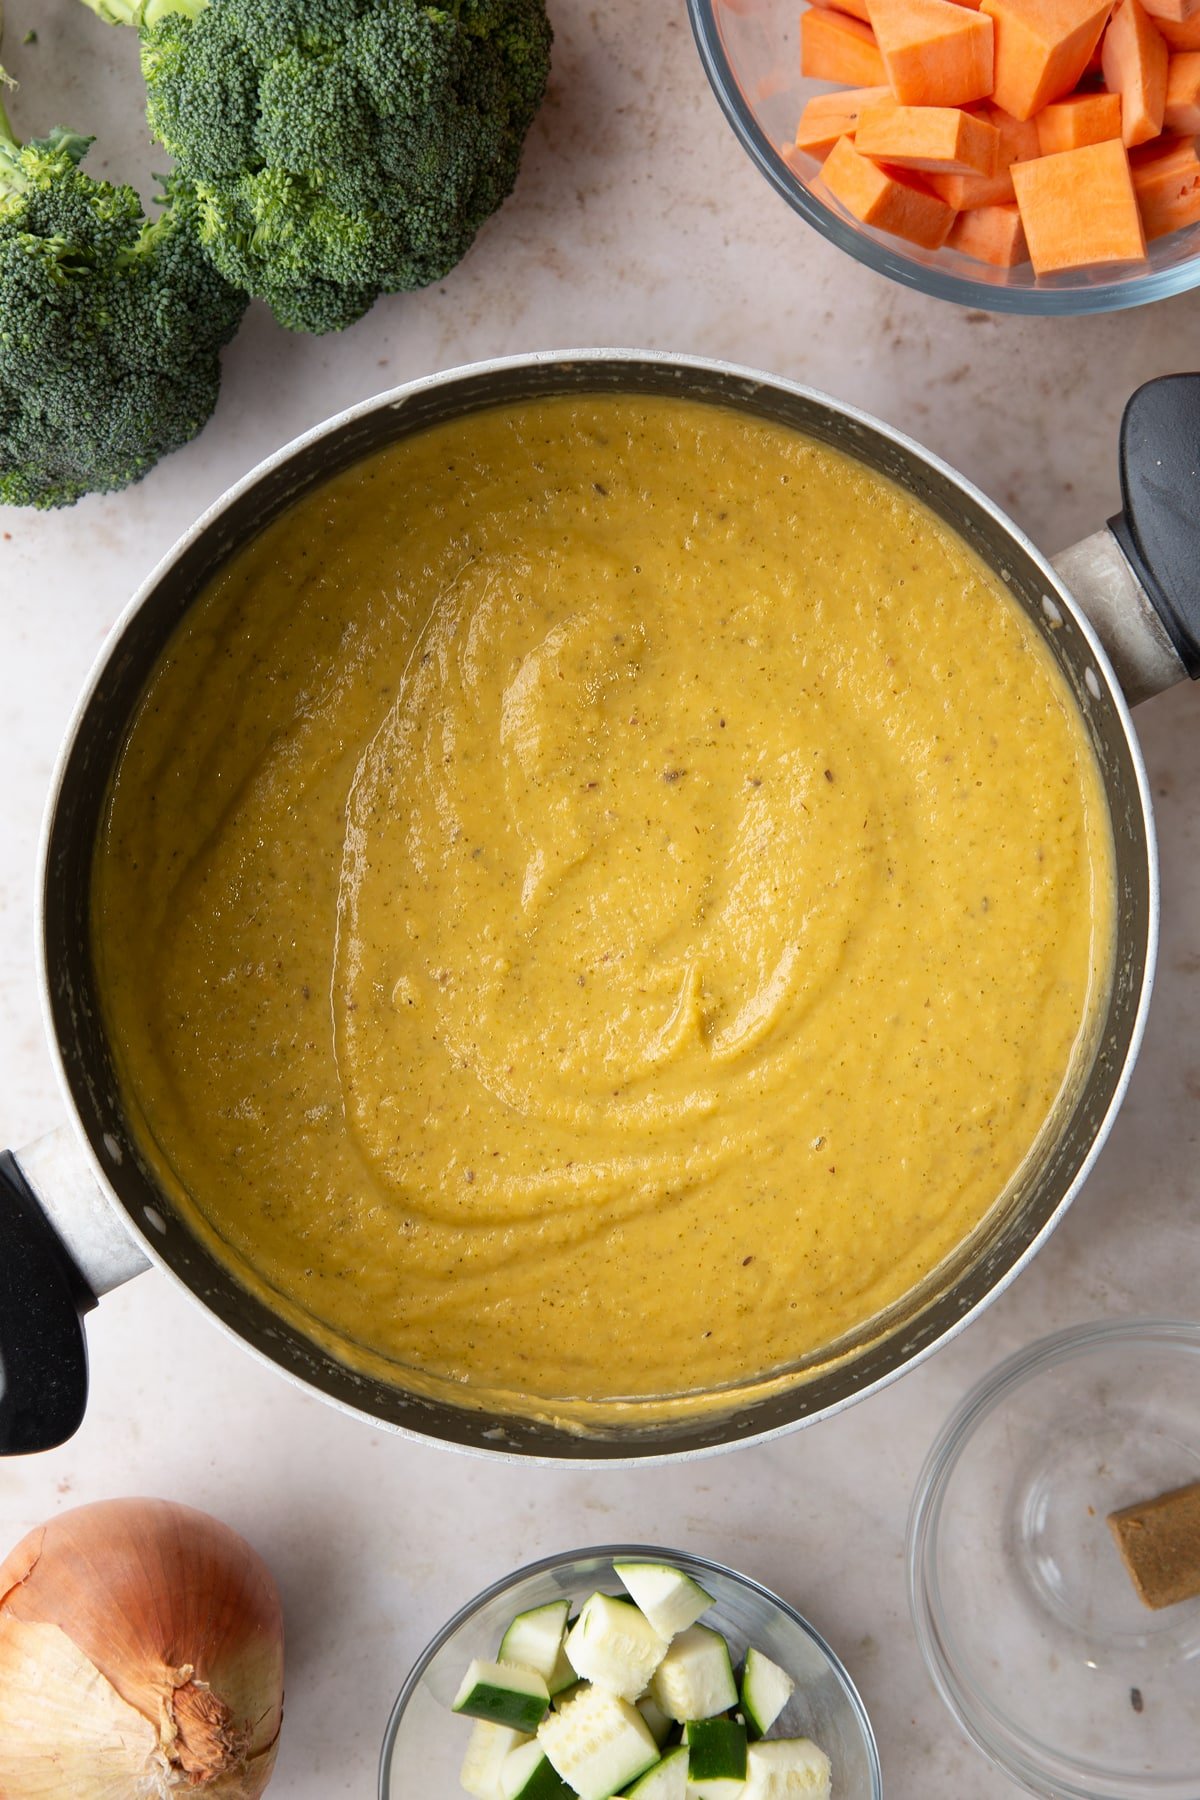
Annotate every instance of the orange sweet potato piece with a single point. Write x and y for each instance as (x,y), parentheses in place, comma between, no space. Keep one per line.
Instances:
(1182,110)
(1079,119)
(892,200)
(1178,11)
(991,234)
(1018,142)
(1180,34)
(941,139)
(935,53)
(1166,180)
(835,47)
(856,8)
(1079,209)
(1042,49)
(1134,59)
(828,117)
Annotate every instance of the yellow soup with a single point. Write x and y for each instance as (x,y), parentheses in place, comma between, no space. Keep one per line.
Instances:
(598,902)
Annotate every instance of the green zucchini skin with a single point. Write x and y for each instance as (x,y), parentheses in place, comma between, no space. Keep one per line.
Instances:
(765,1691)
(528,1774)
(503,1695)
(716,1750)
(667,1780)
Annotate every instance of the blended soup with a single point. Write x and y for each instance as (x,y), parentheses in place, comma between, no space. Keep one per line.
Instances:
(598,902)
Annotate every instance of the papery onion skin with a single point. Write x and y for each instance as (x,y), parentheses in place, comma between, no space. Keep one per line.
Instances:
(171,1675)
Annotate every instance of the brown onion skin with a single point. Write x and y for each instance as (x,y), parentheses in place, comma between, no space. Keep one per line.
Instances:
(174,1609)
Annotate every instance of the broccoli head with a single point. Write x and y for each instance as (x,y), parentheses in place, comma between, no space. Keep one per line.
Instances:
(110,326)
(340,149)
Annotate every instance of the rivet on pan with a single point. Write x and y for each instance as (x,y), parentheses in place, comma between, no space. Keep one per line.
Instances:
(112,1148)
(1051,610)
(1091,682)
(155,1219)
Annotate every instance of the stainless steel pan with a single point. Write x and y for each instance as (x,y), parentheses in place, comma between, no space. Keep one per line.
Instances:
(80,1212)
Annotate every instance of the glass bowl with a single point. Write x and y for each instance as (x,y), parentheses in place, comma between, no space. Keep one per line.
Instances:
(424,1743)
(751,53)
(1023,1609)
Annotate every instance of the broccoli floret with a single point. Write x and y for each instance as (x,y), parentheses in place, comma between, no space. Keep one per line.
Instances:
(110,326)
(340,149)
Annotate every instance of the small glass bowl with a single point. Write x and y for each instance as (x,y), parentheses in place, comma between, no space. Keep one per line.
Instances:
(751,53)
(424,1743)
(1023,1609)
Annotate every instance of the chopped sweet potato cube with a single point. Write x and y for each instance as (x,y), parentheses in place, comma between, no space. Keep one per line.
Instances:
(1176,10)
(942,139)
(990,234)
(1166,180)
(1079,119)
(892,200)
(1180,34)
(1018,142)
(1134,59)
(856,8)
(1042,48)
(835,47)
(1079,209)
(935,53)
(828,117)
(1182,110)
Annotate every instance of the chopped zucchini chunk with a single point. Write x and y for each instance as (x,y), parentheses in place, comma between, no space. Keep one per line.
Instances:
(504,1694)
(487,1747)
(562,1676)
(534,1639)
(528,1774)
(667,1780)
(598,1743)
(670,1599)
(786,1769)
(613,1644)
(766,1690)
(716,1758)
(660,1726)
(694,1680)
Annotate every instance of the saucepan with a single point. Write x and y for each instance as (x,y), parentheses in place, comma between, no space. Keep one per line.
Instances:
(81,1210)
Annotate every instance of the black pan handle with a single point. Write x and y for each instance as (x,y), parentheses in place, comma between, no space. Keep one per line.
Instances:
(43,1352)
(1159,527)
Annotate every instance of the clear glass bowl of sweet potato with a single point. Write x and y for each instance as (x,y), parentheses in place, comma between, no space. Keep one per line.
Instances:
(1032,156)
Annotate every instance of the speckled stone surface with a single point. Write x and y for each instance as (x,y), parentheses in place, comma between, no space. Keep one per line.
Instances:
(638,220)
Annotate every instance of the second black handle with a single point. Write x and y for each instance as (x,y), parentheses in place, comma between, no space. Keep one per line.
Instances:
(1159,527)
(43,1352)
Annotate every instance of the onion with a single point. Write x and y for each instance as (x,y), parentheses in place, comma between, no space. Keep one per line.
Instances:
(141,1652)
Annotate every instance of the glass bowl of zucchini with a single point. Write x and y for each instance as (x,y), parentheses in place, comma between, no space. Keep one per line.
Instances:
(631,1670)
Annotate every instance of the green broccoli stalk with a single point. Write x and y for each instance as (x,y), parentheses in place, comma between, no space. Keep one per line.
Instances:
(340,149)
(110,326)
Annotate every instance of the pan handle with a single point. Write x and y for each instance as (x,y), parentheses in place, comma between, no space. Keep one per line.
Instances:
(43,1352)
(1159,525)
(61,1246)
(1136,580)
